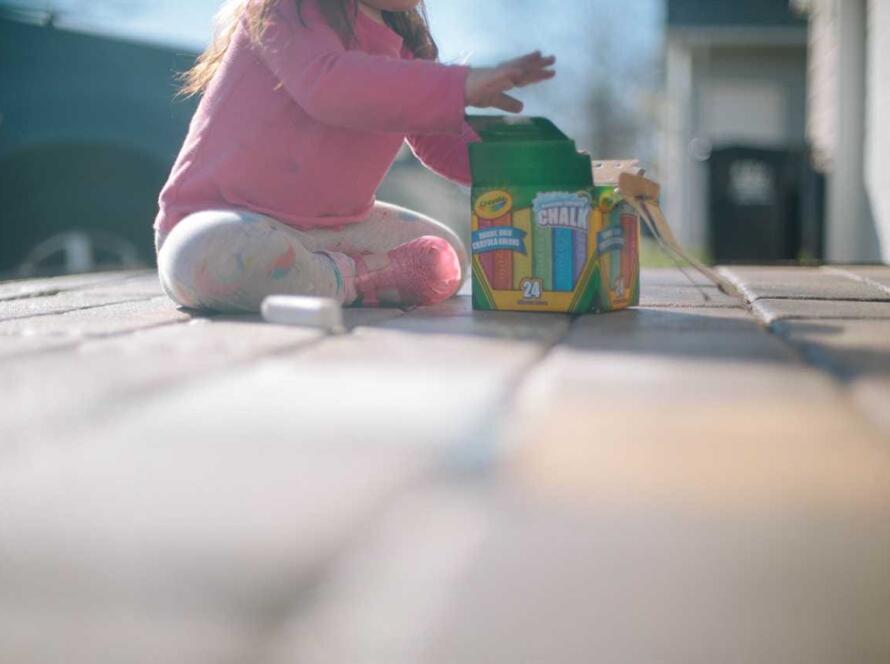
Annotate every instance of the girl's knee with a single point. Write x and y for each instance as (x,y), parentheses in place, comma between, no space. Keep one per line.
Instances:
(198,259)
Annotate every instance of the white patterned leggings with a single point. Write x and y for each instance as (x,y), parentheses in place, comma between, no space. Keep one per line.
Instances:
(229,260)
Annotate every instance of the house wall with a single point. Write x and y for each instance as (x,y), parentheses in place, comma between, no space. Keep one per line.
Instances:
(845,122)
(723,94)
(822,111)
(754,96)
(877,139)
(676,132)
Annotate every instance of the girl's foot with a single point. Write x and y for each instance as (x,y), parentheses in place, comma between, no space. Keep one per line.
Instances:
(420,272)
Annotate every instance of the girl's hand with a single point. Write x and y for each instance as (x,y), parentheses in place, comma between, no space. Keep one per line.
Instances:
(487,86)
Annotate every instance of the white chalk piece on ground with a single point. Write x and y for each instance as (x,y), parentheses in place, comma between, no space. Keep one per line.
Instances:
(319,312)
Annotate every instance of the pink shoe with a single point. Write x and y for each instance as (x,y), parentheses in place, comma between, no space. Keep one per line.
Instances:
(423,271)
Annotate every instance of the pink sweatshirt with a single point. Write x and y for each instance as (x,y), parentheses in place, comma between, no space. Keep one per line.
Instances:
(304,130)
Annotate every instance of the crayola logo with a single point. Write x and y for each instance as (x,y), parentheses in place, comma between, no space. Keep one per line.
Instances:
(494,205)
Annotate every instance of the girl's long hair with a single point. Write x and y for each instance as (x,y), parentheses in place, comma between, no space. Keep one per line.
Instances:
(412,26)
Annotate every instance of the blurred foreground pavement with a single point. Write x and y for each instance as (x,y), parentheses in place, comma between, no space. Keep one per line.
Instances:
(695,480)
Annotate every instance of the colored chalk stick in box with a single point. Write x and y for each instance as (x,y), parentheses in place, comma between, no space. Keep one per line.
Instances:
(550,232)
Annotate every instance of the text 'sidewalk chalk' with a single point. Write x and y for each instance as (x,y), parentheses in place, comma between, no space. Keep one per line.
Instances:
(549,230)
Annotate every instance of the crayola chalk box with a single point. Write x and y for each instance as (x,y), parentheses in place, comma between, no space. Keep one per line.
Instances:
(549,231)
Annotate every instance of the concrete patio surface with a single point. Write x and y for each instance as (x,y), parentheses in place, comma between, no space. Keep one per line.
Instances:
(698,479)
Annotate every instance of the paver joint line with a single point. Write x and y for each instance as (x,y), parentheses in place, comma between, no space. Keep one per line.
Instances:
(88,281)
(65,311)
(143,391)
(78,343)
(31,295)
(843,367)
(812,355)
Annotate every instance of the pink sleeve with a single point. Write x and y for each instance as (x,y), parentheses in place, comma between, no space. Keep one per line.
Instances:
(446,154)
(356,90)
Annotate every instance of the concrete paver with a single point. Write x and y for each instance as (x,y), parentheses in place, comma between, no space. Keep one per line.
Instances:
(146,284)
(848,347)
(677,487)
(684,296)
(685,403)
(494,324)
(689,333)
(801,283)
(213,533)
(46,394)
(50,286)
(872,394)
(64,302)
(875,275)
(248,525)
(474,573)
(678,482)
(402,387)
(73,327)
(856,351)
(769,310)
(658,584)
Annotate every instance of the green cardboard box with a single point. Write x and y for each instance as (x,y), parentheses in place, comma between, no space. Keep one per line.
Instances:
(549,230)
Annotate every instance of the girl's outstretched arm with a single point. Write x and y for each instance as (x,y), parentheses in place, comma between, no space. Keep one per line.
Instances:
(356,90)
(447,154)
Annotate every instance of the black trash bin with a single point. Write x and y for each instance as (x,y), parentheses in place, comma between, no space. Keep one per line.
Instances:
(765,206)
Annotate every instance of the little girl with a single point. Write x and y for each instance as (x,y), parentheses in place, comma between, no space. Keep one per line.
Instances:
(306,104)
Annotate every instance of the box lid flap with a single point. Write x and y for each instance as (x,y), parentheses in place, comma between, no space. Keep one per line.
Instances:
(606,173)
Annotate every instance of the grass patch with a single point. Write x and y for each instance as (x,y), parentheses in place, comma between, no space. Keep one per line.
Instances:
(651,255)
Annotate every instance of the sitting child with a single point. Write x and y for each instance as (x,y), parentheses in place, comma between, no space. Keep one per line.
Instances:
(305,106)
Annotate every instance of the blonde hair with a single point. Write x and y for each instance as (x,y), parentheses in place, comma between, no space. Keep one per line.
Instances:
(412,26)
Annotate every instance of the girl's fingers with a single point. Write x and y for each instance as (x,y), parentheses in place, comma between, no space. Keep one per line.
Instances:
(510,78)
(541,61)
(541,65)
(507,103)
(535,72)
(522,60)
(505,80)
(488,87)
(531,60)
(537,77)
